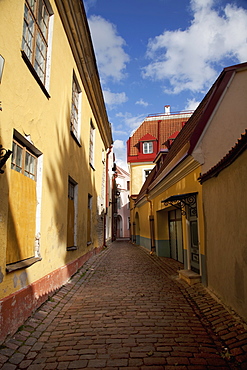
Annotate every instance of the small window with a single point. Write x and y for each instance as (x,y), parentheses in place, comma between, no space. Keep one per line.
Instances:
(75,109)
(23,160)
(147,147)
(36,34)
(91,144)
(71,189)
(72,215)
(146,173)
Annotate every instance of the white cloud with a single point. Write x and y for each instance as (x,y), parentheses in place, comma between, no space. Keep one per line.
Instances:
(192,104)
(186,59)
(112,99)
(109,49)
(122,164)
(130,121)
(119,148)
(119,144)
(119,132)
(142,102)
(89,4)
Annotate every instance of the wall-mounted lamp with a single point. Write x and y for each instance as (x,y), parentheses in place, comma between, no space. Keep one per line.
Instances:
(1,66)
(4,155)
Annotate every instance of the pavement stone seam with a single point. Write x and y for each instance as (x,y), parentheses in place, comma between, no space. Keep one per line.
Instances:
(82,275)
(197,293)
(77,283)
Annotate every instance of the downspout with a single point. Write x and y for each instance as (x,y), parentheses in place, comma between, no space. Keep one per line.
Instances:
(106,196)
(114,209)
(151,224)
(158,144)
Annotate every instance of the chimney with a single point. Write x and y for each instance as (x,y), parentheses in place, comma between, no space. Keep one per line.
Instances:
(167,109)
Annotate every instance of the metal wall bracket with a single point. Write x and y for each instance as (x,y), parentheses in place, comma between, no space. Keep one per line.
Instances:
(181,201)
(4,155)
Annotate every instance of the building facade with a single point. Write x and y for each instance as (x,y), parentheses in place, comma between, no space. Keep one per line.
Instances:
(153,136)
(180,213)
(123,207)
(53,119)
(148,146)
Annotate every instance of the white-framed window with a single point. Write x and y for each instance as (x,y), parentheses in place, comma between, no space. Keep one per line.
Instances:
(23,160)
(147,147)
(91,144)
(75,109)
(25,191)
(36,37)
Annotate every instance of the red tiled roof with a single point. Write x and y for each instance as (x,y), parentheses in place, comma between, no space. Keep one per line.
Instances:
(174,135)
(228,159)
(159,129)
(147,137)
(121,171)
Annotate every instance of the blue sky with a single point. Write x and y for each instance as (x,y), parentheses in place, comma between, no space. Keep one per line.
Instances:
(152,53)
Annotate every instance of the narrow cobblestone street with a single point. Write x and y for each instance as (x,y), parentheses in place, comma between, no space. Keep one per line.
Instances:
(126,309)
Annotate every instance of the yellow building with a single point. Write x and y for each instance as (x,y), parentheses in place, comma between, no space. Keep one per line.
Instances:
(169,210)
(223,179)
(53,119)
(148,145)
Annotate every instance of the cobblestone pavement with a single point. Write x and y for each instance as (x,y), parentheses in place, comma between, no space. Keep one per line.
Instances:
(126,309)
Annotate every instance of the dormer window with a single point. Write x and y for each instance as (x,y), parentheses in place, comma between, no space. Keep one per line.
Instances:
(147,147)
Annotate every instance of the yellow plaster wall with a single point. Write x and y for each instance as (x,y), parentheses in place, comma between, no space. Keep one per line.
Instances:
(144,213)
(137,176)
(162,222)
(188,184)
(225,207)
(47,121)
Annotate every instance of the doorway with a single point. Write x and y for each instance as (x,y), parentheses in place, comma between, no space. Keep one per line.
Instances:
(176,235)
(119,227)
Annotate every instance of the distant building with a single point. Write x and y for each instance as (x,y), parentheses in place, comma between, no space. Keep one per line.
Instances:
(148,140)
(149,143)
(123,209)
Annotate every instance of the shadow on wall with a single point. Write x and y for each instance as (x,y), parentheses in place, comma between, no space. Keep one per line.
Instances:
(63,160)
(14,307)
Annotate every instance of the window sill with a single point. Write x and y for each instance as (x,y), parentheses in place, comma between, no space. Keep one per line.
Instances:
(72,248)
(34,73)
(22,264)
(75,138)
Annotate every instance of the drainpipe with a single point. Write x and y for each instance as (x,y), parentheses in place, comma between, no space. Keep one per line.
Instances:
(151,224)
(106,196)
(114,206)
(158,144)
